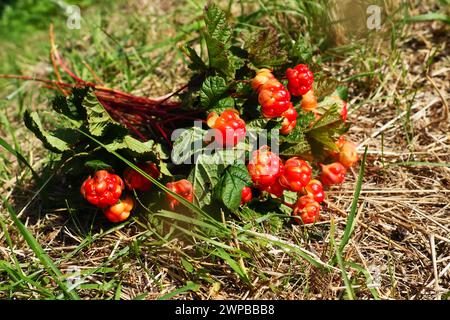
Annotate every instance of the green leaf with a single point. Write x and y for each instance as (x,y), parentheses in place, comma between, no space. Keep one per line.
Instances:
(295,144)
(342,92)
(219,57)
(51,142)
(187,144)
(304,121)
(133,146)
(229,189)
(213,89)
(331,115)
(264,49)
(225,103)
(324,138)
(217,38)
(197,63)
(97,164)
(216,23)
(204,177)
(293,150)
(98,118)
(324,85)
(259,123)
(71,106)
(290,196)
(302,49)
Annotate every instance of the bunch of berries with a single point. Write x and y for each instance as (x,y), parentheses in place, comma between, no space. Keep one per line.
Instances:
(104,190)
(270,174)
(273,97)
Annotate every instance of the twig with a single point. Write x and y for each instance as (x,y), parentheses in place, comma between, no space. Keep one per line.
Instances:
(433,258)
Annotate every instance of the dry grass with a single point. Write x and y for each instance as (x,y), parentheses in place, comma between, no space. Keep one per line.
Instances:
(402,234)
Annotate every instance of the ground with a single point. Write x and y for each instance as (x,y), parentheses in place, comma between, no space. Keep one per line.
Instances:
(400,245)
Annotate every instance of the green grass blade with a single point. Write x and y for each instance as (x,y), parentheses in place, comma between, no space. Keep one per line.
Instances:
(351,217)
(190,286)
(19,157)
(430,16)
(368,276)
(348,285)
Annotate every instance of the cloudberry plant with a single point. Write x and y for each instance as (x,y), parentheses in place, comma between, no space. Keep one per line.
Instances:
(119,211)
(103,190)
(333,173)
(300,79)
(273,98)
(183,188)
(229,127)
(136,181)
(264,167)
(296,174)
(289,120)
(307,209)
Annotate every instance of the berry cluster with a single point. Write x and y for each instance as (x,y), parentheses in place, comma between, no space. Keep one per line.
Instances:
(270,174)
(272,95)
(105,190)
(275,99)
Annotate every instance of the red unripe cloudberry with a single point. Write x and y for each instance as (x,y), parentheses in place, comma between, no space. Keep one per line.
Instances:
(183,188)
(275,188)
(300,79)
(307,209)
(136,181)
(296,174)
(315,189)
(348,155)
(289,120)
(309,101)
(102,190)
(119,211)
(264,167)
(262,76)
(229,127)
(273,98)
(333,173)
(246,195)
